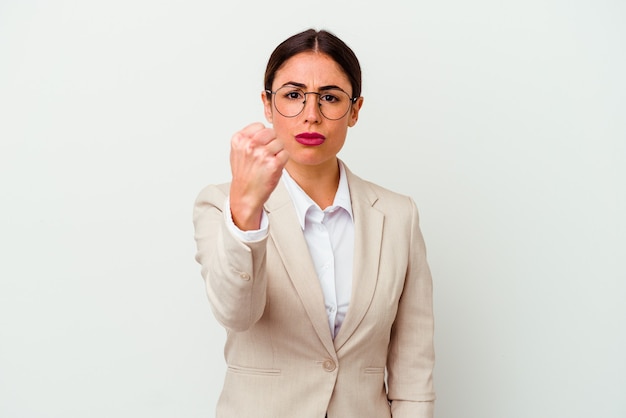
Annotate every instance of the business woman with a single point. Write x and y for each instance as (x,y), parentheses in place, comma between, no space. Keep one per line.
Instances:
(319,277)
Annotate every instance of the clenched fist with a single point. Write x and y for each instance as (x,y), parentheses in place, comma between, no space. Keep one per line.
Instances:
(257,158)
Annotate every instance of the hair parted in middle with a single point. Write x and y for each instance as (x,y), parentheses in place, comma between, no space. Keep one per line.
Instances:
(315,41)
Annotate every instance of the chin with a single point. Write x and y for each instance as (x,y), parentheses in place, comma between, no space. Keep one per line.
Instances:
(311,160)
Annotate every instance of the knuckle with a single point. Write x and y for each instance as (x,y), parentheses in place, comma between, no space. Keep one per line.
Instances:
(237,140)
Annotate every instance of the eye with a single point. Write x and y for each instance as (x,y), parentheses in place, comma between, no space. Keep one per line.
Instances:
(329,98)
(293,95)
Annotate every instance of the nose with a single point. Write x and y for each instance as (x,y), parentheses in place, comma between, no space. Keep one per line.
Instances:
(312,112)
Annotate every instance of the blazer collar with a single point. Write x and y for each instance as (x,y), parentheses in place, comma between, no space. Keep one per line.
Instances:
(286,234)
(294,253)
(368,231)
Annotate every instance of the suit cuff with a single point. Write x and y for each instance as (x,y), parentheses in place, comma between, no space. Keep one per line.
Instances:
(412,409)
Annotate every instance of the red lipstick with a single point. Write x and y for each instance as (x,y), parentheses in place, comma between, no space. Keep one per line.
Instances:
(310,138)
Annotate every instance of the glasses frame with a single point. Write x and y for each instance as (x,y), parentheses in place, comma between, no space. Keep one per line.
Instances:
(319,95)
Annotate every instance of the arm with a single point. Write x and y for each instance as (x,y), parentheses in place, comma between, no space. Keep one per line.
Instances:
(411,356)
(233,270)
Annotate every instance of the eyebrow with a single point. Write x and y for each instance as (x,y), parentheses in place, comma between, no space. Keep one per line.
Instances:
(302,86)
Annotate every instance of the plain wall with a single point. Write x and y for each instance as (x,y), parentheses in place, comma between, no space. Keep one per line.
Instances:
(505,121)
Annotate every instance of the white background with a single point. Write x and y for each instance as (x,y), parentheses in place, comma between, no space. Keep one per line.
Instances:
(505,121)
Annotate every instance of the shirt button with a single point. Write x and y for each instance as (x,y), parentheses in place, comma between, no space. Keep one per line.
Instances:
(244,276)
(329,365)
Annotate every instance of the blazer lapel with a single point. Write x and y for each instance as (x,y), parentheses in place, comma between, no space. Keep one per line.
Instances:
(368,230)
(286,234)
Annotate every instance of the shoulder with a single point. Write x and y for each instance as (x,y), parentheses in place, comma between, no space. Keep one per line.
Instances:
(380,197)
(213,195)
(210,201)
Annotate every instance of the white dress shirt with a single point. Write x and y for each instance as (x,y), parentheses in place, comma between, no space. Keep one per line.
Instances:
(329,234)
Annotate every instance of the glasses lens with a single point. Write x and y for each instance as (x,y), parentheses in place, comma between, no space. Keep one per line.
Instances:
(333,103)
(289,101)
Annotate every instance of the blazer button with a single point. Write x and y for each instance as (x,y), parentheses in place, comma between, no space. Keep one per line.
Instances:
(329,365)
(244,276)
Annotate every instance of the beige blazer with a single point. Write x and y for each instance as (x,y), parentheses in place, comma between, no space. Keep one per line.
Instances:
(282,361)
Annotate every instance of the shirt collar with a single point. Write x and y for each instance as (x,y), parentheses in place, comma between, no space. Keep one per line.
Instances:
(303,202)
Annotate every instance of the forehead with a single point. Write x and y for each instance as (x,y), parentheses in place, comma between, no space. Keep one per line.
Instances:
(313,69)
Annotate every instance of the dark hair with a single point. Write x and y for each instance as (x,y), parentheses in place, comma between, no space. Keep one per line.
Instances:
(316,41)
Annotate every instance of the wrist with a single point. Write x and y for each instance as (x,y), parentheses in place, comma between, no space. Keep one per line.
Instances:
(247,217)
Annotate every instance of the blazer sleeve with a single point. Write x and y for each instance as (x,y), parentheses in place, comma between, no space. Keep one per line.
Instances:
(233,271)
(411,355)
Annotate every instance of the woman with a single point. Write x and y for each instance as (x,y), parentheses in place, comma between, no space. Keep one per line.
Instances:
(319,277)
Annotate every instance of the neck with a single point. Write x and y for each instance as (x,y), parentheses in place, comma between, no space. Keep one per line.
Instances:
(318,182)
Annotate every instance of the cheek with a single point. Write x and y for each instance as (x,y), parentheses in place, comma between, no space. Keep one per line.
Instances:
(282,128)
(341,134)
(339,145)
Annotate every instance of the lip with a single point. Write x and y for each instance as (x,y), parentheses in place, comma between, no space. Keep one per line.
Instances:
(310,138)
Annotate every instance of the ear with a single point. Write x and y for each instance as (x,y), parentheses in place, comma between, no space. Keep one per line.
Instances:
(267,106)
(354,112)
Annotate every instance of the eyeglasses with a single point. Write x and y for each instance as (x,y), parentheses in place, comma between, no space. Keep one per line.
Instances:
(334,103)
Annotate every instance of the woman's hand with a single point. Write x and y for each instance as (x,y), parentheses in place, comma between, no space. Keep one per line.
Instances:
(257,158)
